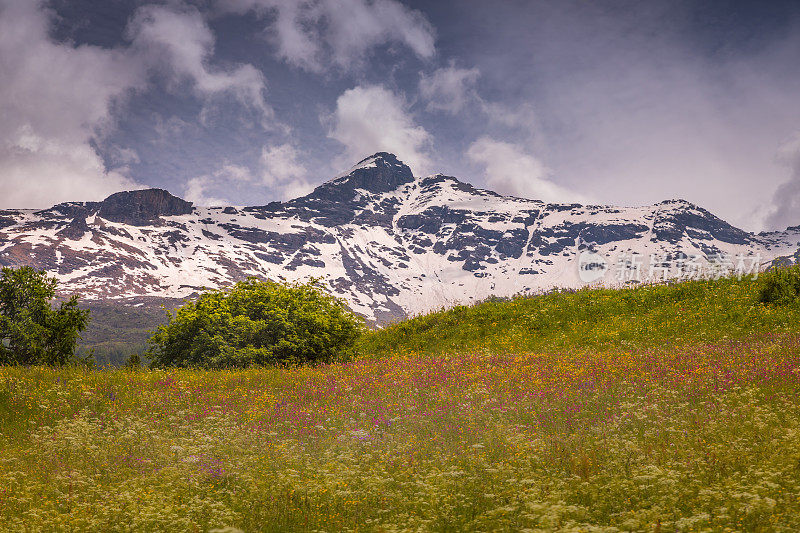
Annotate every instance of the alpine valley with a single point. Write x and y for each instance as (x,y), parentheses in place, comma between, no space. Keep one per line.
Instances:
(389,243)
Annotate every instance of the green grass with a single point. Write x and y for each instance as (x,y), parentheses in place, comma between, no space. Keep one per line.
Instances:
(666,408)
(599,319)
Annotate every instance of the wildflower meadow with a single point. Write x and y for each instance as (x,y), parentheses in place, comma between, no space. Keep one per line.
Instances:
(550,433)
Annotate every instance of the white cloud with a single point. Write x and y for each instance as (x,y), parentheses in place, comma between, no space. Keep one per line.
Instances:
(57,100)
(234,173)
(520,117)
(169,129)
(54,98)
(632,112)
(511,170)
(312,34)
(196,191)
(278,168)
(282,171)
(179,41)
(372,119)
(449,89)
(123,156)
(786,201)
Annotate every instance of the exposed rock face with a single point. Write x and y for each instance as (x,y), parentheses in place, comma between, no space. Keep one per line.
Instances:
(680,217)
(143,207)
(75,229)
(338,201)
(379,173)
(389,243)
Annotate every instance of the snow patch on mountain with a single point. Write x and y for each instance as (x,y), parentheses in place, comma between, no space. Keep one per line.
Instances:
(390,243)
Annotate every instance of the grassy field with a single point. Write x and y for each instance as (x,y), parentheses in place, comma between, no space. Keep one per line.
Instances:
(665,315)
(669,408)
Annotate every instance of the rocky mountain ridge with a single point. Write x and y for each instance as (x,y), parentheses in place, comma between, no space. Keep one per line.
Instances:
(390,243)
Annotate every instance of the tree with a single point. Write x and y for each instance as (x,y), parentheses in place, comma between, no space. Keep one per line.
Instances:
(32,332)
(257,323)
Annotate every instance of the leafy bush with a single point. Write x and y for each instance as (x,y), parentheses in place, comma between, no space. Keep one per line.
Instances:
(133,361)
(256,323)
(31,331)
(781,286)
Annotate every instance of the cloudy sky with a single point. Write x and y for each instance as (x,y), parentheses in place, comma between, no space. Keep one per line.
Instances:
(247,101)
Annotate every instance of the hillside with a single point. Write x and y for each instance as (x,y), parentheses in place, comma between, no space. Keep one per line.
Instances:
(591,318)
(670,314)
(120,328)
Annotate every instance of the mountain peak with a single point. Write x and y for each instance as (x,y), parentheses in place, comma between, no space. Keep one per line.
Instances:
(378,159)
(378,173)
(142,207)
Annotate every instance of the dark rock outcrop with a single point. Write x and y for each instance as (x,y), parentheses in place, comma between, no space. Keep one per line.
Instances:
(143,207)
(679,217)
(382,172)
(337,202)
(76,229)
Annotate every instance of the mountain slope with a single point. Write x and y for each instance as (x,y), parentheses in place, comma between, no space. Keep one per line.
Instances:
(390,243)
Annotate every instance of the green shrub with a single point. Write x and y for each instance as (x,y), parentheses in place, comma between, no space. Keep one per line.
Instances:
(133,361)
(31,331)
(257,323)
(781,286)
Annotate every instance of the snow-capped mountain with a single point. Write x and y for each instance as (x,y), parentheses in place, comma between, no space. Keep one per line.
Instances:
(390,243)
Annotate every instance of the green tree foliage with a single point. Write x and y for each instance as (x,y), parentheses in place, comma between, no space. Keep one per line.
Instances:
(31,331)
(257,323)
(133,362)
(781,286)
